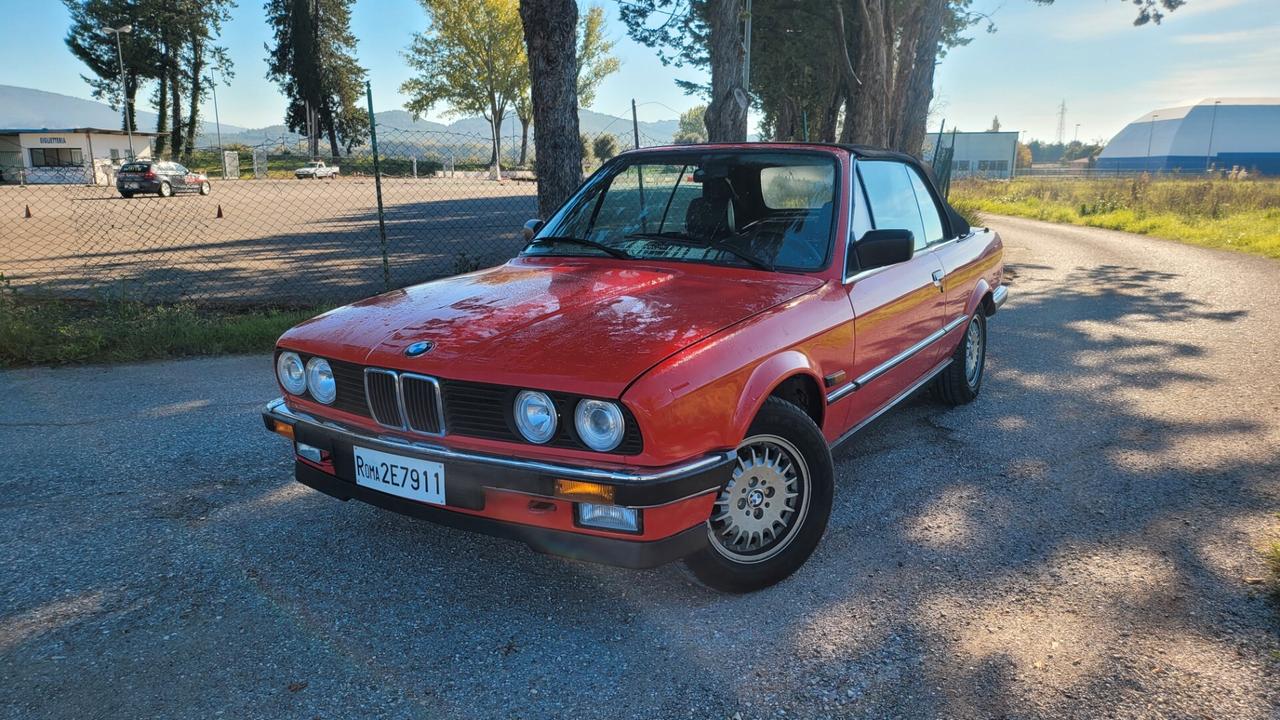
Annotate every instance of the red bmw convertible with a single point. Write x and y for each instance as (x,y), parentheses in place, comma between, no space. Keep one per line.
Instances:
(663,372)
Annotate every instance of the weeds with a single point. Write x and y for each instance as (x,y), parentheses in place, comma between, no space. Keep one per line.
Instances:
(1237,214)
(43,332)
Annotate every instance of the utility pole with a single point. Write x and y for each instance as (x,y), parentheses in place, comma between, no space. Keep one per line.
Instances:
(1062,122)
(124,95)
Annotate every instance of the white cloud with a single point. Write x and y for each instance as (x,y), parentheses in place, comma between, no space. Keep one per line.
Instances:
(1088,21)
(1234,36)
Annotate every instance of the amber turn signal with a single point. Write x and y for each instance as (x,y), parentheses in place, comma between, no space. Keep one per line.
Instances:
(578,490)
(284,429)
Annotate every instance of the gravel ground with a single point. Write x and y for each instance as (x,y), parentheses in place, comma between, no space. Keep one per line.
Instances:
(1077,543)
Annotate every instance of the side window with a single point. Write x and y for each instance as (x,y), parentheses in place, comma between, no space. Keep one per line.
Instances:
(892,200)
(928,208)
(861,224)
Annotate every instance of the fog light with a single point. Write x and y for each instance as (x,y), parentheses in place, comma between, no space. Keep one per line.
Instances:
(609,517)
(578,490)
(309,452)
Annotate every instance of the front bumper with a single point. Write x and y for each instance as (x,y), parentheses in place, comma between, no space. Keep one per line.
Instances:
(998,297)
(471,477)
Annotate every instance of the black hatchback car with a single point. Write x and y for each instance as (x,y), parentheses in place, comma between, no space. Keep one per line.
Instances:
(159,177)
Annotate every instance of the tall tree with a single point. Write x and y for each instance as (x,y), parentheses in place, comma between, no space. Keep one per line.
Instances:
(170,42)
(549,29)
(859,70)
(471,58)
(595,55)
(692,128)
(595,62)
(313,61)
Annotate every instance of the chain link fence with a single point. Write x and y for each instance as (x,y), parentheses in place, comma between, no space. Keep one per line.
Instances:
(265,235)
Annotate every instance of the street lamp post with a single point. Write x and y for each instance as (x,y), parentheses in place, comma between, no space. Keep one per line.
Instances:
(217,123)
(1151,129)
(1213,119)
(124,95)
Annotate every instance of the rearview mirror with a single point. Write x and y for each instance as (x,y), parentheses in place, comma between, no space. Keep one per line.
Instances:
(530,229)
(878,248)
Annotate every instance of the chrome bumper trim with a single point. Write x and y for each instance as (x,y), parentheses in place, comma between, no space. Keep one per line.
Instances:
(999,296)
(279,411)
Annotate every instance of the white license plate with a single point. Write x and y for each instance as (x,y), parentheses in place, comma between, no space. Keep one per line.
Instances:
(407,477)
(131,186)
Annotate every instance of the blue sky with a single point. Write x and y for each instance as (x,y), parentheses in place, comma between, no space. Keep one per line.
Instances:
(1082,51)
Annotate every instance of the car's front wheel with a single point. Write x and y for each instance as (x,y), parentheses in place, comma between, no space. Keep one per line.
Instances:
(126,195)
(166,190)
(770,515)
(205,188)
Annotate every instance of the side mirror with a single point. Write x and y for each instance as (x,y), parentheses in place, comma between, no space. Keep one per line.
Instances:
(530,229)
(878,248)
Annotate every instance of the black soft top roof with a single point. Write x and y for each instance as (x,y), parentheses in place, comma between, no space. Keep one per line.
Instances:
(958,225)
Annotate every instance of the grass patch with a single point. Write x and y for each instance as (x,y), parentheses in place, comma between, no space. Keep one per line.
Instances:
(1273,560)
(55,332)
(1237,214)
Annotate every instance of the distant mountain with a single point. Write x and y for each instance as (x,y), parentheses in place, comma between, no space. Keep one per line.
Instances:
(30,108)
(37,109)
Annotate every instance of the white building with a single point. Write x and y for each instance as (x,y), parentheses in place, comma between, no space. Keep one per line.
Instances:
(977,154)
(70,155)
(1213,134)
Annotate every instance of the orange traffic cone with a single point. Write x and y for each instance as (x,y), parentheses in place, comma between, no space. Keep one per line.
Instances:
(27,214)
(219,212)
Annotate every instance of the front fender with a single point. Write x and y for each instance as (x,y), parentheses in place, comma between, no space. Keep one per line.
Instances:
(765,378)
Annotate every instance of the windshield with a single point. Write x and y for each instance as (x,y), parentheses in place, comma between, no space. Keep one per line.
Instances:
(767,209)
(135,167)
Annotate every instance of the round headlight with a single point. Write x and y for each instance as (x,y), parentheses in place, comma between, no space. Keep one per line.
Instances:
(293,377)
(535,416)
(599,423)
(320,380)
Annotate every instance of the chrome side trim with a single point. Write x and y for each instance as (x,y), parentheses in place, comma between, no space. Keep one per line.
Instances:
(890,405)
(841,391)
(999,295)
(279,411)
(906,355)
(896,360)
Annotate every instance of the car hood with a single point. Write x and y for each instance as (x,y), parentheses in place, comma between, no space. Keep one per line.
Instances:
(572,324)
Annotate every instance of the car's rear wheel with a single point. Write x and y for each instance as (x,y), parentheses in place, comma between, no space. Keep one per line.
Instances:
(126,195)
(205,188)
(770,515)
(166,190)
(961,382)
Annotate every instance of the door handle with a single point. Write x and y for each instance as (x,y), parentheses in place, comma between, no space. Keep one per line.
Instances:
(937,278)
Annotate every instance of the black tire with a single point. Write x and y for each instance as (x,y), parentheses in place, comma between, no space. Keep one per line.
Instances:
(958,384)
(721,568)
(166,190)
(205,188)
(126,195)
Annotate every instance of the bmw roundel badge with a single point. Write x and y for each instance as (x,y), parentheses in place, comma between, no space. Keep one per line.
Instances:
(418,348)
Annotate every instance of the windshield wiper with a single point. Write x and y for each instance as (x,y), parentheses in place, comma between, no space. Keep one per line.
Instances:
(679,238)
(551,239)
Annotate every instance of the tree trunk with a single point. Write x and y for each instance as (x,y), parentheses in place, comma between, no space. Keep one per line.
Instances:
(162,115)
(865,115)
(175,107)
(913,115)
(524,139)
(549,35)
(331,127)
(193,116)
(726,115)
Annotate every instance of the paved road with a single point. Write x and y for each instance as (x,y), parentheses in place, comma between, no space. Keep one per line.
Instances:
(1075,544)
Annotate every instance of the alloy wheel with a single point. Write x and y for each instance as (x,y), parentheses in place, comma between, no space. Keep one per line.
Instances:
(757,512)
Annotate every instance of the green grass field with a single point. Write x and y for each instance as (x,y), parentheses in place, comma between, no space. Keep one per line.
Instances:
(1237,214)
(54,332)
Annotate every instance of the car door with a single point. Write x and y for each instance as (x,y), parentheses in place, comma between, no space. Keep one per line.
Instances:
(898,309)
(179,174)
